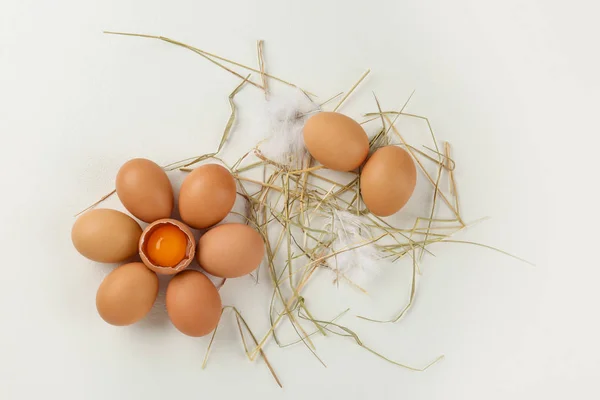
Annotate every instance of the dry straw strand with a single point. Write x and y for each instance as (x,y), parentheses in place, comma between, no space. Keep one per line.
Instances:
(210,57)
(352,89)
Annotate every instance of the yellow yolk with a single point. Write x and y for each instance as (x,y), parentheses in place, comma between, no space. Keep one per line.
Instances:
(166,246)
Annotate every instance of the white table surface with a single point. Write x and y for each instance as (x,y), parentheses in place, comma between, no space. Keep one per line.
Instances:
(513,85)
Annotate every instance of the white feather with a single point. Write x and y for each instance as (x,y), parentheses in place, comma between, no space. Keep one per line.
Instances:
(284,116)
(363,262)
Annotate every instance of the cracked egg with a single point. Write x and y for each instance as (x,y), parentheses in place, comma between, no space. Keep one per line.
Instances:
(167,246)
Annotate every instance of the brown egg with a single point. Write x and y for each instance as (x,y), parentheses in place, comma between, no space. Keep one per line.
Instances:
(106,235)
(145,190)
(336,141)
(127,294)
(167,246)
(206,196)
(193,303)
(230,250)
(387,180)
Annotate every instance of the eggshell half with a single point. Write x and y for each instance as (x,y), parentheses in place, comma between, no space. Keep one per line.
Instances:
(190,249)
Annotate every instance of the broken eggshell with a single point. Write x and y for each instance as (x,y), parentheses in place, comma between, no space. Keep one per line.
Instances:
(189,252)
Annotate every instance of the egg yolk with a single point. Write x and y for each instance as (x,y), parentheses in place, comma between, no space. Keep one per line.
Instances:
(166,246)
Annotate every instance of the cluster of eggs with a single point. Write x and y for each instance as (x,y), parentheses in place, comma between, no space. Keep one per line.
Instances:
(167,246)
(387,179)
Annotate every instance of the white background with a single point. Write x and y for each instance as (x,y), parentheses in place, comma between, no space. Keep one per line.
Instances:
(513,85)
